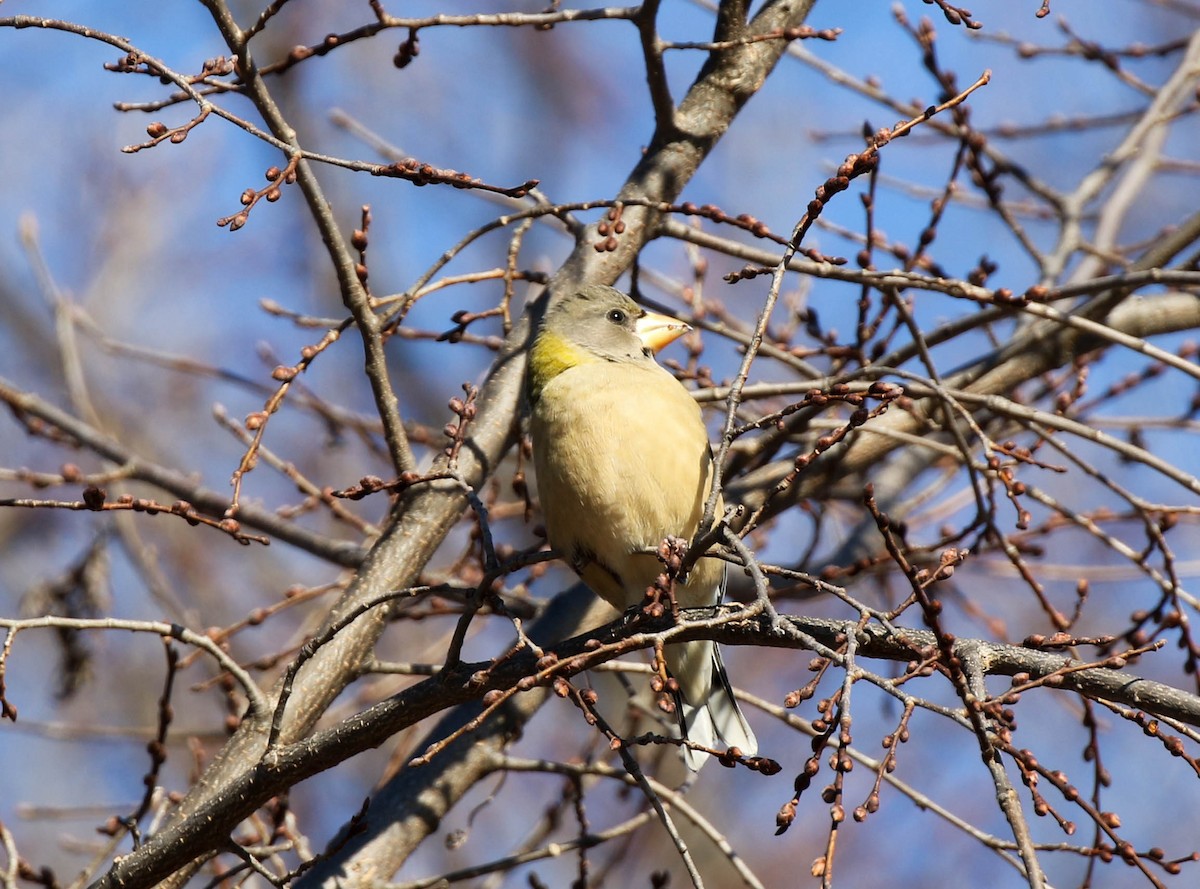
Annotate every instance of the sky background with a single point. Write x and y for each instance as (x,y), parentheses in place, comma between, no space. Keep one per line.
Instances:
(132,240)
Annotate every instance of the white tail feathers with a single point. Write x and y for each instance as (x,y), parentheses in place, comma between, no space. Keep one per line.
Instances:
(707,710)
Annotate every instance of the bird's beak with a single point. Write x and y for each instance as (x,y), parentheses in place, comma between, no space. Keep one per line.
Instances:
(657,331)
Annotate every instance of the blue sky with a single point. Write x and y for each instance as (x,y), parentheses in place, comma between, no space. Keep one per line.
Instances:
(132,239)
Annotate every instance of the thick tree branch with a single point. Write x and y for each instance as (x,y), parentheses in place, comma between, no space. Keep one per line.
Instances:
(175,846)
(427,512)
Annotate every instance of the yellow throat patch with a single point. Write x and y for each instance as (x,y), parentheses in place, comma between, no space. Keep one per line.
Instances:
(551,355)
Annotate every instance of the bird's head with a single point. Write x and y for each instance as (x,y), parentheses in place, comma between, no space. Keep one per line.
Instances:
(597,323)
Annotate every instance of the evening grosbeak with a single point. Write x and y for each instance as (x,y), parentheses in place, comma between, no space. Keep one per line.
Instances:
(623,461)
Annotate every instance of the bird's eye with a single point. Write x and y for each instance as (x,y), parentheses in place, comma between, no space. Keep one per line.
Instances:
(616,316)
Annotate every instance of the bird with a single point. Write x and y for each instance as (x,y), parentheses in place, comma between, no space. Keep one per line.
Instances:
(622,462)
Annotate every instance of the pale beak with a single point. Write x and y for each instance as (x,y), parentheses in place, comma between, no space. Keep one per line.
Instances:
(657,331)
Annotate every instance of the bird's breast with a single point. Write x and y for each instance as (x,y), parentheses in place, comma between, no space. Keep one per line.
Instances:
(622,461)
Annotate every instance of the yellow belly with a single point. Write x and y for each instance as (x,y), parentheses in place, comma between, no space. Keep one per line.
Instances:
(622,461)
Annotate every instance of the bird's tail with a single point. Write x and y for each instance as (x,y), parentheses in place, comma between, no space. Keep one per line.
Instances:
(706,707)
